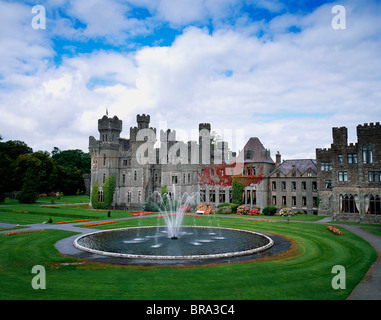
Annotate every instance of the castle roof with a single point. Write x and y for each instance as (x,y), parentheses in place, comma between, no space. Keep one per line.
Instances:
(302,165)
(254,151)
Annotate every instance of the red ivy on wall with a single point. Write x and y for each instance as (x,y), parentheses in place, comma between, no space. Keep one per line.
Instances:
(215,175)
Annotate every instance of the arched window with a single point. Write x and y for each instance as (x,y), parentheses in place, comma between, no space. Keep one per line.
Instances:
(367,153)
(375,205)
(104,159)
(348,204)
(104,178)
(100,196)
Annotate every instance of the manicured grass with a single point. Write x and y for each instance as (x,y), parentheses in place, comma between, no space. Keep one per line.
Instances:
(304,272)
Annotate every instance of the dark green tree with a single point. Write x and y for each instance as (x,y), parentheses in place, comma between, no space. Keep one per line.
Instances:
(28,192)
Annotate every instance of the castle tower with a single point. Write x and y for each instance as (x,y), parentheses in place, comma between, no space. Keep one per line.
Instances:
(109,129)
(204,141)
(340,136)
(143,123)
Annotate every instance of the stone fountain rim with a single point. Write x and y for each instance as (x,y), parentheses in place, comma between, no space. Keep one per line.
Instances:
(186,257)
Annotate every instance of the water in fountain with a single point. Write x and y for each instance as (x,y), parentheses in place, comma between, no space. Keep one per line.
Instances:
(170,208)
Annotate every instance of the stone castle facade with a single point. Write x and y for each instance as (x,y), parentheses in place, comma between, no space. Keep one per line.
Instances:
(349,175)
(141,169)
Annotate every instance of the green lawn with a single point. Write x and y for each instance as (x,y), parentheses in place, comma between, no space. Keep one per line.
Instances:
(304,272)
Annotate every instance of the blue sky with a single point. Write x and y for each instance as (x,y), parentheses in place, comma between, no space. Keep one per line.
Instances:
(276,70)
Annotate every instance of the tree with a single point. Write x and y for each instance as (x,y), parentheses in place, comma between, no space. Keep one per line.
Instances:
(237,188)
(28,192)
(94,195)
(108,193)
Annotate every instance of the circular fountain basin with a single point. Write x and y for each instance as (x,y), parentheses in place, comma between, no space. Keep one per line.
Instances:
(153,243)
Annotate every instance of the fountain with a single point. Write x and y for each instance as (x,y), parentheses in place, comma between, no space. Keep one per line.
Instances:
(174,241)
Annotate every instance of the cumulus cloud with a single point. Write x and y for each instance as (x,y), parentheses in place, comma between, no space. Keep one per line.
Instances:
(286,81)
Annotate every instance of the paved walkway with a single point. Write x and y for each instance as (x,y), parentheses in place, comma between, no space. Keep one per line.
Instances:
(368,289)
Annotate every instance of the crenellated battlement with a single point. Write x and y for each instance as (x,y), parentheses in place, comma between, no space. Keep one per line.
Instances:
(206,126)
(107,123)
(369,129)
(167,135)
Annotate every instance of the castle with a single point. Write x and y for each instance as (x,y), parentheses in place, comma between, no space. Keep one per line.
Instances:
(323,186)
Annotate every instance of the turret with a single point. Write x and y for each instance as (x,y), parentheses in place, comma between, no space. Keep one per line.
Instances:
(109,129)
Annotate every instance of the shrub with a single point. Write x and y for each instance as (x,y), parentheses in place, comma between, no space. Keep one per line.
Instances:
(185,208)
(269,210)
(254,212)
(225,204)
(286,212)
(150,205)
(237,188)
(206,207)
(225,210)
(243,210)
(234,207)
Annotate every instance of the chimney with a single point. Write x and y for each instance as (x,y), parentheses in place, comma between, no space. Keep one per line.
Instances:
(278,158)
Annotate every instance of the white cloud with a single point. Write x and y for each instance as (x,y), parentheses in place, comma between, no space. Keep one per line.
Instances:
(288,89)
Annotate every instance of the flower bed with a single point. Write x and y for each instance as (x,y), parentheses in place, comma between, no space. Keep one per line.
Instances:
(22,232)
(286,212)
(185,208)
(98,223)
(335,231)
(72,221)
(243,210)
(141,213)
(254,212)
(206,207)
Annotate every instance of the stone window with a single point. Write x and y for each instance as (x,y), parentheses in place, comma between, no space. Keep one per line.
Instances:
(314,185)
(100,196)
(104,178)
(135,175)
(367,153)
(212,196)
(375,205)
(304,201)
(221,196)
(139,196)
(284,201)
(326,166)
(104,159)
(348,204)
(352,157)
(123,178)
(304,186)
(328,184)
(125,162)
(340,158)
(293,199)
(283,185)
(174,179)
(273,185)
(274,200)
(343,176)
(374,176)
(293,185)
(129,196)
